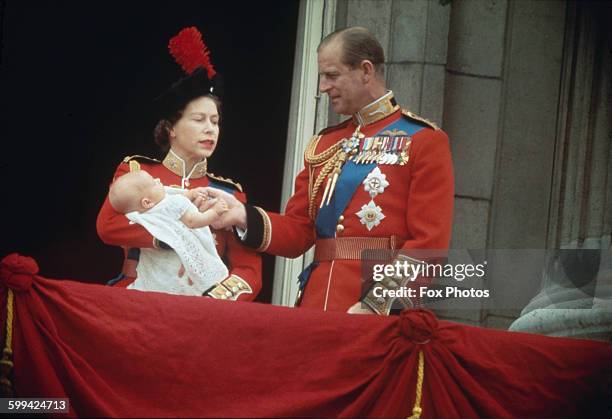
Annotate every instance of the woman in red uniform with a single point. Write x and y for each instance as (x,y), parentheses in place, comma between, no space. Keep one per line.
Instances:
(188,132)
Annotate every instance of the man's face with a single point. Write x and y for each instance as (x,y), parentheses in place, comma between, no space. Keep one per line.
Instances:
(345,86)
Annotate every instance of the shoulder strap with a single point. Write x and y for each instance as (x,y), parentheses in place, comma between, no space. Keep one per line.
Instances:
(226,182)
(414,117)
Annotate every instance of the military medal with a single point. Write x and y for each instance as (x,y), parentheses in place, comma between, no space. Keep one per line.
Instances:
(370,215)
(380,150)
(385,149)
(403,156)
(375,183)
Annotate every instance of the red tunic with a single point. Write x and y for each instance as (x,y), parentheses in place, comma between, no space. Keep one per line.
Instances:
(417,206)
(114,228)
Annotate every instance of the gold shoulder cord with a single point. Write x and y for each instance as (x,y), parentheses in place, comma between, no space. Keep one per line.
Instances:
(328,158)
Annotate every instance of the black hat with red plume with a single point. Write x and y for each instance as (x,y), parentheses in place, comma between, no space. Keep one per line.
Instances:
(190,52)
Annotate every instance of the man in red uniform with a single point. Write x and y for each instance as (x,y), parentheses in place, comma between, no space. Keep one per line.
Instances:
(381,179)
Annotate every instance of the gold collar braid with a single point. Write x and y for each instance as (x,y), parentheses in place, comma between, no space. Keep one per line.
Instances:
(177,166)
(377,110)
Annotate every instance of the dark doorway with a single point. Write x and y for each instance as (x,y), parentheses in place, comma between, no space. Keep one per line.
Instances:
(77,83)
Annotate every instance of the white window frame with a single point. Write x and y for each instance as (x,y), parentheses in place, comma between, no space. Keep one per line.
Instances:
(307,115)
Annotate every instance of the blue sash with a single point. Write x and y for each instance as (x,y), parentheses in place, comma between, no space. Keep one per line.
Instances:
(349,180)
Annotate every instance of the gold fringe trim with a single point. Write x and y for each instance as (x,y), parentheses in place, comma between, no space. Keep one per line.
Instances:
(6,363)
(417,410)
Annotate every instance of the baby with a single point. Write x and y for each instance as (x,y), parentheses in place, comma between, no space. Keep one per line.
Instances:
(170,216)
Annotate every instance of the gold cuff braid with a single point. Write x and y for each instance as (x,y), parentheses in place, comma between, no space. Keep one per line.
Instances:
(383,303)
(230,289)
(267,231)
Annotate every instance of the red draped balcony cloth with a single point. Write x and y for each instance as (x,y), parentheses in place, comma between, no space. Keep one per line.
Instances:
(123,353)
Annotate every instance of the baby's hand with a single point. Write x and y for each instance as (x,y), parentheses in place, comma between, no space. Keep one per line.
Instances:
(196,193)
(220,207)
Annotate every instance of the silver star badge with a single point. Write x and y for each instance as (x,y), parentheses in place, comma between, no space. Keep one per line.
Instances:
(348,144)
(370,215)
(375,182)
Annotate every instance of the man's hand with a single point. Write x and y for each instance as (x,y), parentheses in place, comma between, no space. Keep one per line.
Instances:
(235,215)
(360,308)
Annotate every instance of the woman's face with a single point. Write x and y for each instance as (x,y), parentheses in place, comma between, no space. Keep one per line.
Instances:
(195,135)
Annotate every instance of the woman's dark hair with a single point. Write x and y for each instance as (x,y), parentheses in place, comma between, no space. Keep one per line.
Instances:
(161,133)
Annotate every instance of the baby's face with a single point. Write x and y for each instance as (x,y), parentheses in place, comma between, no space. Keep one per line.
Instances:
(152,188)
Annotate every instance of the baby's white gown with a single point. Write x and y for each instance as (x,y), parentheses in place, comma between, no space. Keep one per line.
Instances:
(158,269)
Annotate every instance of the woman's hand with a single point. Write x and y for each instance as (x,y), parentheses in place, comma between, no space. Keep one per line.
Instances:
(235,215)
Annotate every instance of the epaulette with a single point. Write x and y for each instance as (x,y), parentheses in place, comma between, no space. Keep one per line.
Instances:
(335,127)
(140,159)
(227,181)
(420,119)
(134,161)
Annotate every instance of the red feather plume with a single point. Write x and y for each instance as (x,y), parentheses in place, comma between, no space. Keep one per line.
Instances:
(190,52)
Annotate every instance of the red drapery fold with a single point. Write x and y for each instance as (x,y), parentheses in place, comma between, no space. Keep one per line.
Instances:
(118,352)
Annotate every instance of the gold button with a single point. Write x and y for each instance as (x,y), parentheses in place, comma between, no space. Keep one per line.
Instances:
(339,228)
(341,218)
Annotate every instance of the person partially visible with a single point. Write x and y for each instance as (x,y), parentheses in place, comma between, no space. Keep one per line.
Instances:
(380,180)
(173,218)
(187,132)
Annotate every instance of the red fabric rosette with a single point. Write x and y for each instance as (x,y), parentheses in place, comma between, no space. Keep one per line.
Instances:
(16,271)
